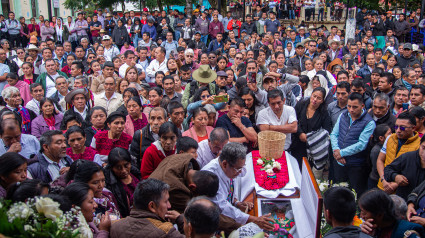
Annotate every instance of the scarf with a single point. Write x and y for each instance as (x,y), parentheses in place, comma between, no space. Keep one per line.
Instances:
(26,118)
(50,122)
(406,84)
(59,30)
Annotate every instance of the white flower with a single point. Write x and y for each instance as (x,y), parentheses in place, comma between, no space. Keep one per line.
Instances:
(267,167)
(343,184)
(83,227)
(277,165)
(322,187)
(48,208)
(19,210)
(269,171)
(260,162)
(28,228)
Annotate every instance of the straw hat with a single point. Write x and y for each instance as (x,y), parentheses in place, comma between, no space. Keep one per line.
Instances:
(334,41)
(71,95)
(32,47)
(204,74)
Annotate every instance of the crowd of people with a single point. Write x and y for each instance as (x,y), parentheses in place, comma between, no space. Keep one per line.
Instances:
(150,117)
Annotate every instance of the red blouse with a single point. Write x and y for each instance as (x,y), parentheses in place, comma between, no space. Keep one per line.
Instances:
(104,145)
(88,154)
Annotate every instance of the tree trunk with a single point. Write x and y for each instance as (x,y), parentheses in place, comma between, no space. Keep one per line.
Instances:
(223,7)
(159,2)
(122,7)
(189,8)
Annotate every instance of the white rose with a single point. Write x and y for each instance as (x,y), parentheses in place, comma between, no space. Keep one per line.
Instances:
(269,171)
(277,165)
(268,167)
(48,208)
(322,187)
(260,162)
(343,184)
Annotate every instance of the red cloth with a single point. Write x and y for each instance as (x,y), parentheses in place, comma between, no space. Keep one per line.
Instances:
(151,159)
(50,122)
(88,154)
(104,145)
(278,181)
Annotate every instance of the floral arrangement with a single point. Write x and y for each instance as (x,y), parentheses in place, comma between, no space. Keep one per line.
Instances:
(323,187)
(270,173)
(269,165)
(41,217)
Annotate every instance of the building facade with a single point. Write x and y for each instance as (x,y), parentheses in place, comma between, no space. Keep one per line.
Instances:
(35,8)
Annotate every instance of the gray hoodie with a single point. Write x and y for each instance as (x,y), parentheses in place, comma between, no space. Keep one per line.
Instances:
(346,232)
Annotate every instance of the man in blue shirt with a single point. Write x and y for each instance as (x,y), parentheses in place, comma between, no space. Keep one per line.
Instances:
(13,28)
(272,25)
(349,140)
(170,44)
(216,44)
(150,28)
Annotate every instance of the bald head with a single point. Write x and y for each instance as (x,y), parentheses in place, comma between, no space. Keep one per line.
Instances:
(202,216)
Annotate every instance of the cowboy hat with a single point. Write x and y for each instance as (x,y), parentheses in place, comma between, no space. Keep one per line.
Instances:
(32,47)
(204,74)
(102,31)
(334,41)
(71,95)
(108,14)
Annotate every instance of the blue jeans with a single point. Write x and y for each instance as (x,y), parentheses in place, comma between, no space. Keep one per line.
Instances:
(321,13)
(291,14)
(177,35)
(204,38)
(135,41)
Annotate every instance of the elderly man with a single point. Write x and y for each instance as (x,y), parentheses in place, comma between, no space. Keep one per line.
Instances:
(380,112)
(110,100)
(149,215)
(62,90)
(143,138)
(278,116)
(211,148)
(239,127)
(404,140)
(78,99)
(52,160)
(37,93)
(12,139)
(229,166)
(48,79)
(349,140)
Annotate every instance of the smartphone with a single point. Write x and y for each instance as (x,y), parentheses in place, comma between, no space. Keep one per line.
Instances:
(222,98)
(252,77)
(350,64)
(340,163)
(405,106)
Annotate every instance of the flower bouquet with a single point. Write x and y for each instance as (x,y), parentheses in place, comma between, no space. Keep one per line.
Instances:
(41,217)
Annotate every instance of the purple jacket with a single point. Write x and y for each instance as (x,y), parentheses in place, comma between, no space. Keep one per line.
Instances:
(39,125)
(84,26)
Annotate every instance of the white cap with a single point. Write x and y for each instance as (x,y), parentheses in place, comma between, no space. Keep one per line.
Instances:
(106,37)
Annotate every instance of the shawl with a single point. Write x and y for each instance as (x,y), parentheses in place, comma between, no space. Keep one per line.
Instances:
(59,30)
(104,145)
(88,154)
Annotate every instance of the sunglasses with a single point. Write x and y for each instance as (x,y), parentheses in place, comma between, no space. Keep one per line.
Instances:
(211,57)
(402,128)
(238,58)
(190,56)
(205,96)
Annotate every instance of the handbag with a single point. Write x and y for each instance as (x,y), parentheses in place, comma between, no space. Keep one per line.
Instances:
(318,148)
(34,33)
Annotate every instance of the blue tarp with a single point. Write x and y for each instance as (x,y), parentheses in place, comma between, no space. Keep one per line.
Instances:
(205,3)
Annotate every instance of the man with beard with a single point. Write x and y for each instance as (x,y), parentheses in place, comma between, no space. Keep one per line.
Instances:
(52,160)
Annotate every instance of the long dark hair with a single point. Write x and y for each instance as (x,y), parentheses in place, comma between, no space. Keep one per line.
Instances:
(43,101)
(198,92)
(85,173)
(76,192)
(323,105)
(10,161)
(246,91)
(378,203)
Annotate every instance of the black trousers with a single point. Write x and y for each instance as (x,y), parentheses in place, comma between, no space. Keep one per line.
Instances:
(14,40)
(356,176)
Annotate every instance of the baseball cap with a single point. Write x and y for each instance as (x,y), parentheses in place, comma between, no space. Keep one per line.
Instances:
(408,46)
(198,32)
(300,44)
(106,37)
(222,74)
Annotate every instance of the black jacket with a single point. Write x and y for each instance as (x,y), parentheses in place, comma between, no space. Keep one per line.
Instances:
(408,165)
(379,29)
(120,35)
(250,28)
(319,120)
(116,187)
(388,119)
(86,121)
(137,148)
(14,68)
(404,62)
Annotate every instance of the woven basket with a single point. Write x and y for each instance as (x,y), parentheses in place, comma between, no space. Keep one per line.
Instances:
(271,144)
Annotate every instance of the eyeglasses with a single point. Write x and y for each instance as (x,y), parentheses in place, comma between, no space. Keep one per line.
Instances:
(312,45)
(238,58)
(211,57)
(238,170)
(402,128)
(190,56)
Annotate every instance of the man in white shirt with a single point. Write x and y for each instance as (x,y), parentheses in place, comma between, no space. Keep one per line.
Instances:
(109,100)
(158,64)
(110,50)
(211,148)
(229,166)
(37,93)
(130,61)
(278,116)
